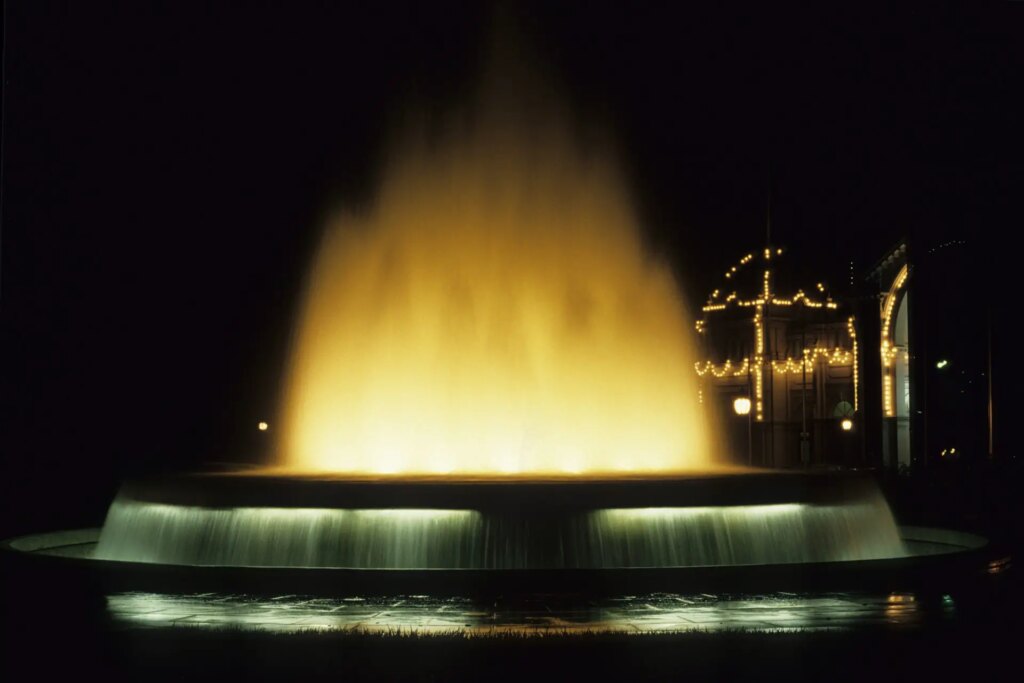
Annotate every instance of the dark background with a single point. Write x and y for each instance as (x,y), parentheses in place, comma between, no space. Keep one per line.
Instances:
(166,166)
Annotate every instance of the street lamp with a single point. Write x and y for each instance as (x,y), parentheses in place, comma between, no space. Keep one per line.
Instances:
(741,405)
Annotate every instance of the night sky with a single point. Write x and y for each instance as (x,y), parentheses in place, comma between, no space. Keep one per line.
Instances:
(166,167)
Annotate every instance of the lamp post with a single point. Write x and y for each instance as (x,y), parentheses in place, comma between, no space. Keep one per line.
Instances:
(742,407)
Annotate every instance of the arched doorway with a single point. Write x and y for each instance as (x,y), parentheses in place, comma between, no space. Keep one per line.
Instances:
(895,352)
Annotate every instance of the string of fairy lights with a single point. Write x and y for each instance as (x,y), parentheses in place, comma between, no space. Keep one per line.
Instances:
(755,367)
(851,329)
(889,350)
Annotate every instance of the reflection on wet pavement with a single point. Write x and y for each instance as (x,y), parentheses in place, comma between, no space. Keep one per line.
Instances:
(661,612)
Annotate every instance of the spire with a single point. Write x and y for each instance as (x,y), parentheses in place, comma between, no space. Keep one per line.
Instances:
(768,212)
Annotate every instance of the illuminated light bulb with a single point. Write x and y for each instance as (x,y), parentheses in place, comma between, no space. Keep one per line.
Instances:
(741,405)
(263,426)
(846,424)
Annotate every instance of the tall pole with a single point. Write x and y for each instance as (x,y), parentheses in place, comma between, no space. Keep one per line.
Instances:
(805,455)
(750,438)
(988,372)
(750,420)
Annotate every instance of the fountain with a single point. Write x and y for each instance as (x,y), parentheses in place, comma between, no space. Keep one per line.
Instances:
(490,372)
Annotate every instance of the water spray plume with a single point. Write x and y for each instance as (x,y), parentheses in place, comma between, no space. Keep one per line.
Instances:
(493,312)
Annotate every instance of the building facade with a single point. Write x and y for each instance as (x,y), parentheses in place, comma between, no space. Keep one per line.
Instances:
(794,353)
(934,341)
(895,375)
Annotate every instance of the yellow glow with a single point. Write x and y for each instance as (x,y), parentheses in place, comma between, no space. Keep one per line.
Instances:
(494,311)
(728,369)
(852,329)
(846,424)
(759,358)
(834,356)
(263,426)
(741,405)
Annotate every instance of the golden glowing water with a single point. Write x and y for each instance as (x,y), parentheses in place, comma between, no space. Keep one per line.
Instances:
(493,313)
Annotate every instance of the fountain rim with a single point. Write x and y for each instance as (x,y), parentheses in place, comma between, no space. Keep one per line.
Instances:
(945,558)
(727,487)
(940,559)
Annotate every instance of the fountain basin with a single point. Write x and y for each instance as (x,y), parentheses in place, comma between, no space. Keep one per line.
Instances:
(277,521)
(751,531)
(937,560)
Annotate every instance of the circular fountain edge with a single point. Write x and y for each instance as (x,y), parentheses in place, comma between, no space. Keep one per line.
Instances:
(950,560)
(748,487)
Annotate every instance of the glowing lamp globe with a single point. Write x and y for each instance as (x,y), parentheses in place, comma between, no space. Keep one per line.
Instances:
(741,405)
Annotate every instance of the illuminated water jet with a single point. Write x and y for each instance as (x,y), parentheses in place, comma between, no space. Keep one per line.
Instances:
(494,311)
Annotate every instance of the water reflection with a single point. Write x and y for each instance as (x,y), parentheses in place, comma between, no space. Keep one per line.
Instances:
(661,612)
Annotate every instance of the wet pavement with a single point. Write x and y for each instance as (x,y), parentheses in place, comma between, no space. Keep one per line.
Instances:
(538,615)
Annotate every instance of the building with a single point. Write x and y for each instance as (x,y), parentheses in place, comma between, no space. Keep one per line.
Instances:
(933,402)
(793,352)
(890,418)
(894,375)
